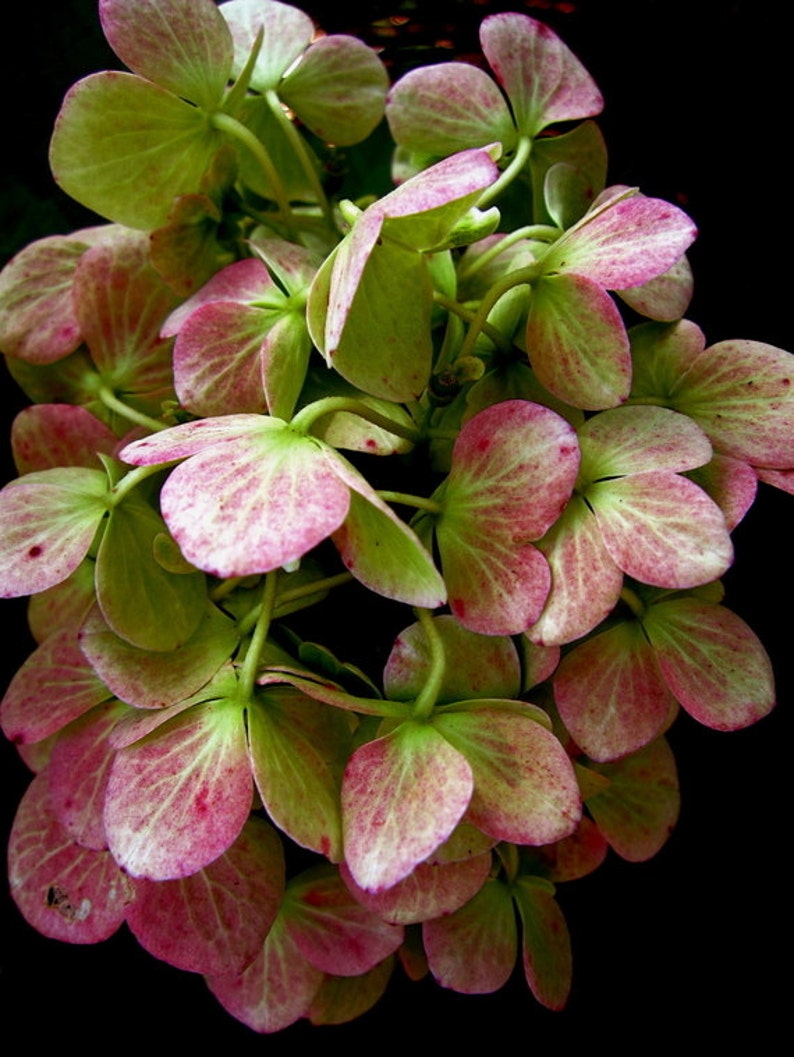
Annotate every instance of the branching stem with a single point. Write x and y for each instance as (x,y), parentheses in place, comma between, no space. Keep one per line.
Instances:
(426,700)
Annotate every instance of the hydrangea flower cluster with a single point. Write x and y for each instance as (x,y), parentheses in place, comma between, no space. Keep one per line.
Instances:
(544,464)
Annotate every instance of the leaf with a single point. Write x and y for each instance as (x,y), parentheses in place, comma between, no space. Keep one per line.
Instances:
(126,148)
(179,798)
(402,795)
(216,920)
(712,661)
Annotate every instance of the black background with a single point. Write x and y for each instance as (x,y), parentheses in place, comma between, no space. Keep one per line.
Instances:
(691,944)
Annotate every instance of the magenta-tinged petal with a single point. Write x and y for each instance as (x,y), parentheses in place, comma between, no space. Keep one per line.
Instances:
(216,920)
(639,808)
(332,930)
(476,665)
(182,45)
(547,943)
(45,436)
(449,107)
(243,282)
(49,522)
(78,771)
(431,890)
(712,661)
(525,790)
(585,582)
(577,343)
(54,686)
(623,243)
(662,529)
(64,891)
(402,796)
(731,483)
(473,950)
(610,693)
(254,505)
(287,33)
(543,79)
(634,439)
(179,798)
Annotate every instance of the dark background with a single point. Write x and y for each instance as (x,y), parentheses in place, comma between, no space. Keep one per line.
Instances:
(690,944)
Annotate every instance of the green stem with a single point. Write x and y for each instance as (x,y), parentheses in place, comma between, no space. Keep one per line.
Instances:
(467,314)
(411,500)
(538,232)
(237,130)
(299,147)
(426,701)
(132,480)
(508,855)
(520,277)
(112,403)
(520,158)
(329,405)
(259,637)
(328,583)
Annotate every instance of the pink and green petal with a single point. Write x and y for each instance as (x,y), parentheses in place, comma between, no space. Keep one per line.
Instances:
(540,75)
(402,796)
(546,942)
(179,798)
(216,920)
(64,891)
(611,694)
(712,661)
(525,790)
(473,950)
(638,810)
(577,343)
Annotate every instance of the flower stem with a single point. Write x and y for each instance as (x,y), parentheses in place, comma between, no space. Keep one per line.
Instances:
(520,158)
(411,500)
(112,403)
(329,405)
(299,147)
(425,702)
(468,314)
(259,637)
(237,130)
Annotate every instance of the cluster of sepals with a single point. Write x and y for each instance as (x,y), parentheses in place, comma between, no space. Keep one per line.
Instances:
(180,474)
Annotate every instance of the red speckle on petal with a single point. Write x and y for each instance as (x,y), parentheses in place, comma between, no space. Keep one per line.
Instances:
(35,552)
